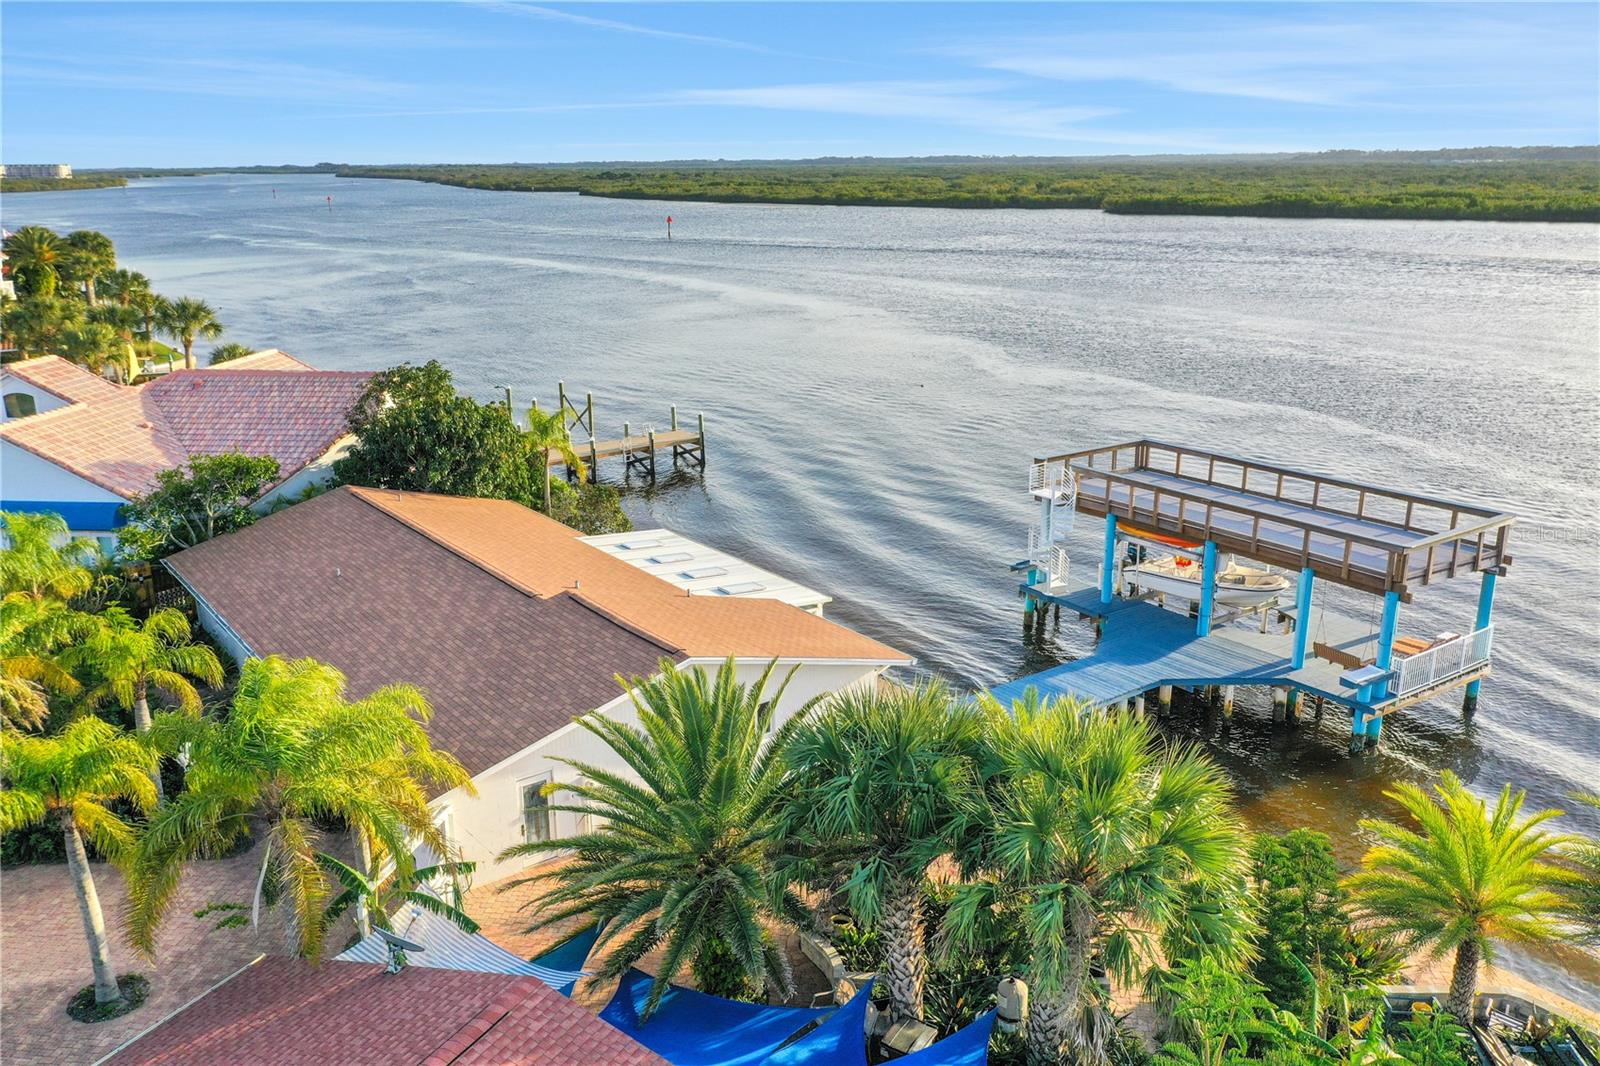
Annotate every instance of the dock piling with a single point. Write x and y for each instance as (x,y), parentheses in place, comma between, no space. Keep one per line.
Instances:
(1164,698)
(1280,703)
(1227,701)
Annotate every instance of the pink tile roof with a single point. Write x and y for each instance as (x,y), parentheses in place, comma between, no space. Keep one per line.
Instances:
(284,1011)
(266,359)
(119,437)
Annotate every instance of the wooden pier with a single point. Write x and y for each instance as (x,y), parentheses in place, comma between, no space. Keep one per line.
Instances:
(1376,540)
(640,452)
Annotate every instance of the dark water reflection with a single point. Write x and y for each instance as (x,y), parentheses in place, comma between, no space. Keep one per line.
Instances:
(876,379)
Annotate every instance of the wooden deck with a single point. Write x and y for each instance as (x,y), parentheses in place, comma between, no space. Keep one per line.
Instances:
(639,451)
(1364,536)
(1143,646)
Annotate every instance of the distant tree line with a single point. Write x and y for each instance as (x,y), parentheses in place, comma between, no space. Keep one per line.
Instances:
(77,181)
(1514,189)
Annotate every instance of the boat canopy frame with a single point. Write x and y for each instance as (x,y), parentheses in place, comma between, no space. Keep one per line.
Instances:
(1364,536)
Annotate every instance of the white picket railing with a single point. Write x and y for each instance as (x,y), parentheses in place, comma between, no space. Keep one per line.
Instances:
(1442,662)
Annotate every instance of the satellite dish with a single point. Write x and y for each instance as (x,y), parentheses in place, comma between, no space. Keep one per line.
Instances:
(398,946)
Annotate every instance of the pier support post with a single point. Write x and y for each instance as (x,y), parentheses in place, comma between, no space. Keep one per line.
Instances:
(1280,703)
(1164,698)
(1138,704)
(1292,705)
(1384,658)
(1227,701)
(1108,563)
(1469,702)
(652,438)
(594,461)
(1208,588)
(701,423)
(1302,618)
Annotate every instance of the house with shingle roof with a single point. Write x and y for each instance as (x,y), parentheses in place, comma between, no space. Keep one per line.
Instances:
(513,625)
(81,446)
(286,1012)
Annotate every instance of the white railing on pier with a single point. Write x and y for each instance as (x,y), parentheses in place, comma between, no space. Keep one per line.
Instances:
(1048,558)
(1454,657)
(1048,478)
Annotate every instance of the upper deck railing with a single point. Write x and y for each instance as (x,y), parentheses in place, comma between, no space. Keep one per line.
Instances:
(1361,535)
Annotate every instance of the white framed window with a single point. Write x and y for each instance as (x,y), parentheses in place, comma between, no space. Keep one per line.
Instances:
(537,818)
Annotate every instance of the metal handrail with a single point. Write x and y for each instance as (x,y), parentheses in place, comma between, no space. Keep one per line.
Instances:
(1442,662)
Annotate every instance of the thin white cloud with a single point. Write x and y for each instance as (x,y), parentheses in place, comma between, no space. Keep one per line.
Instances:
(207,77)
(550,14)
(970,103)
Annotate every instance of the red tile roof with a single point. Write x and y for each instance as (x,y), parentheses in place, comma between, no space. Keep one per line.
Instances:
(284,1012)
(266,359)
(119,436)
(510,623)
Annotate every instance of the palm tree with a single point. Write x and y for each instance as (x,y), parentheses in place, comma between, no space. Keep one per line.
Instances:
(30,631)
(223,353)
(121,285)
(34,326)
(1102,838)
(88,344)
(185,319)
(34,253)
(151,307)
(547,432)
(86,255)
(1463,879)
(681,857)
(42,560)
(69,779)
(292,752)
(1584,892)
(379,892)
(131,658)
(883,784)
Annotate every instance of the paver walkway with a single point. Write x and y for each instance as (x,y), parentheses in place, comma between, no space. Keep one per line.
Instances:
(44,958)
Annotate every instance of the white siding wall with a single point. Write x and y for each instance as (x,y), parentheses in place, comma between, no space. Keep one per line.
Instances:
(25,476)
(488,823)
(316,472)
(42,400)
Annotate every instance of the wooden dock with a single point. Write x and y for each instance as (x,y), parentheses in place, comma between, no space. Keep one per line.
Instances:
(640,452)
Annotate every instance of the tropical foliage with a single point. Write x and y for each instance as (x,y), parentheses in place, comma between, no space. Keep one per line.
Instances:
(209,496)
(291,754)
(1104,839)
(882,786)
(1461,878)
(69,781)
(415,433)
(186,320)
(679,855)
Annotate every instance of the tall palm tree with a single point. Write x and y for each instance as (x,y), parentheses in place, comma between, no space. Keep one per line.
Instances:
(34,253)
(1103,838)
(87,255)
(121,285)
(547,432)
(185,319)
(30,633)
(131,658)
(1463,879)
(291,752)
(681,857)
(882,785)
(151,307)
(69,779)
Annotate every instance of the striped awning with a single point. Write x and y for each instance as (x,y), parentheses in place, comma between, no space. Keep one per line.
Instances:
(446,946)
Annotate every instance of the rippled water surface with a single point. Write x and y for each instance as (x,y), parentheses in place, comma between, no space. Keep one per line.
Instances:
(875,380)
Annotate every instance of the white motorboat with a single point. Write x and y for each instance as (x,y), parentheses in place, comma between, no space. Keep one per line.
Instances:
(1237,585)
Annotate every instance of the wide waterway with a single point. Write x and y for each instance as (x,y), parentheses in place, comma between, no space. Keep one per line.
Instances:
(876,379)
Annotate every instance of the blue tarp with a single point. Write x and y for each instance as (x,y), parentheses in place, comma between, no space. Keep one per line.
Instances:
(964,1047)
(690,1028)
(841,1040)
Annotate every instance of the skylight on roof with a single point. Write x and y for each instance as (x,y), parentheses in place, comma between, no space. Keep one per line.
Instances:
(633,544)
(672,557)
(703,571)
(739,588)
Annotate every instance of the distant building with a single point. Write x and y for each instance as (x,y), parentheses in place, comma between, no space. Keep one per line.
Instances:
(35,170)
(78,445)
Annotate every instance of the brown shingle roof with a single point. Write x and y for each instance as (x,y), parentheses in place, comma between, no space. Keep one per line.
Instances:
(285,1012)
(121,436)
(474,601)
(338,580)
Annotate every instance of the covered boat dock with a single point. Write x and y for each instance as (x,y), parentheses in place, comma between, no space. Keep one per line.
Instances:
(1377,540)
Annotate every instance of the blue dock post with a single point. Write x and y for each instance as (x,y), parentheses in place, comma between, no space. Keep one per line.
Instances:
(1302,618)
(1469,702)
(1208,588)
(1385,656)
(1108,565)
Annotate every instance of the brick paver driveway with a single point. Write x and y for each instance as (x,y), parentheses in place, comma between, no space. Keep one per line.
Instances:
(44,959)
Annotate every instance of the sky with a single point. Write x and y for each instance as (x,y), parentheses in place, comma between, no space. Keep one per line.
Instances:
(188,84)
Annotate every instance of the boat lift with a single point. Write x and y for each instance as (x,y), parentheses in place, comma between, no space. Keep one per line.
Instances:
(1380,541)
